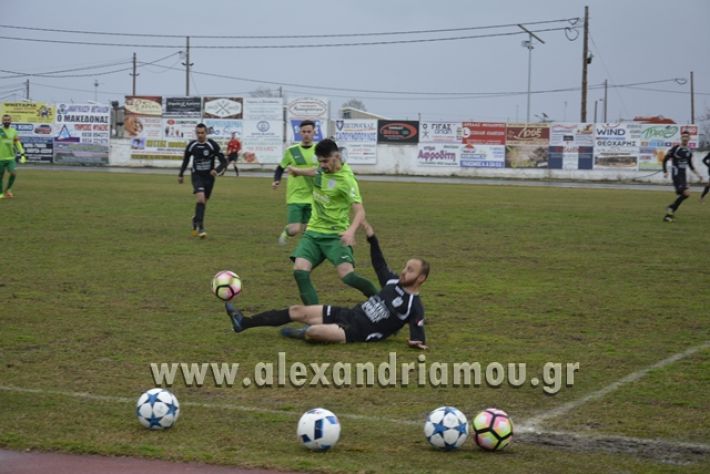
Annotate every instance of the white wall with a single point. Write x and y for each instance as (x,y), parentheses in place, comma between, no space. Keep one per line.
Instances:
(402,159)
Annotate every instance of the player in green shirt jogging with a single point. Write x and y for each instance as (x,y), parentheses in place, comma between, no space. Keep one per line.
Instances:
(9,144)
(299,189)
(330,233)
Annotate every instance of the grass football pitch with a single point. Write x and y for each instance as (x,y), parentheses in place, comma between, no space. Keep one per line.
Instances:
(100,278)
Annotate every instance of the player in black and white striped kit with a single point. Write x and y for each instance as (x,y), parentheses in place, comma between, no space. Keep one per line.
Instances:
(681,159)
(396,305)
(706,162)
(203,152)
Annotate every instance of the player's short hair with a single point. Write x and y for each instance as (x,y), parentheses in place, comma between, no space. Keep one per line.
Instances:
(685,132)
(326,147)
(425,268)
(305,123)
(6,115)
(201,125)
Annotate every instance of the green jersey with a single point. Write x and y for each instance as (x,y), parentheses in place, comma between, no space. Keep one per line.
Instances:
(333,195)
(9,143)
(299,189)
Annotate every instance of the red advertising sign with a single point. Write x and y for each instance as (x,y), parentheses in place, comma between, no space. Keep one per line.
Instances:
(484,133)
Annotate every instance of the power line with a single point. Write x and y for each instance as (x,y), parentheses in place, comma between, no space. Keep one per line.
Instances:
(289,46)
(571,21)
(78,90)
(54,74)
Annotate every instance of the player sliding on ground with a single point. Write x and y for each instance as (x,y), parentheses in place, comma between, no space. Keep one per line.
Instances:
(379,317)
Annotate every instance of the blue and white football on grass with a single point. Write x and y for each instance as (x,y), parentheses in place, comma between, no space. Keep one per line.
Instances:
(157,409)
(318,429)
(446,428)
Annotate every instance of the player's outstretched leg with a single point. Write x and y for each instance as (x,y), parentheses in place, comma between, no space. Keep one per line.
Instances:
(705,192)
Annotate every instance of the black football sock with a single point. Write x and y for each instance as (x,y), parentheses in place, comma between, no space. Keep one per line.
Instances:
(678,202)
(200,213)
(274,317)
(705,191)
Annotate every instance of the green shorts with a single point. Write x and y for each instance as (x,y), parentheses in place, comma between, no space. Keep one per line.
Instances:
(9,165)
(298,213)
(316,247)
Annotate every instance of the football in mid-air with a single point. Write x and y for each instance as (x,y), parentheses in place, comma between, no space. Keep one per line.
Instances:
(318,429)
(493,429)
(446,428)
(157,409)
(226,285)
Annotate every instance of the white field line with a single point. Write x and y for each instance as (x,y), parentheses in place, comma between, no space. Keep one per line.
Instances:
(533,423)
(530,427)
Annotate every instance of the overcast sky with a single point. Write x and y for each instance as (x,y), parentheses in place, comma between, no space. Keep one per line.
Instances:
(632,41)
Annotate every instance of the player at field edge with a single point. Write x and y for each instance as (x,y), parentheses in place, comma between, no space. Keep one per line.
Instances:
(706,162)
(681,159)
(10,144)
(299,189)
(234,146)
(383,314)
(203,152)
(330,233)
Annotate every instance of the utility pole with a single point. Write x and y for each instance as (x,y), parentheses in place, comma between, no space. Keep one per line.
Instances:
(187,65)
(595,111)
(529,44)
(27,89)
(134,74)
(585,58)
(692,98)
(605,98)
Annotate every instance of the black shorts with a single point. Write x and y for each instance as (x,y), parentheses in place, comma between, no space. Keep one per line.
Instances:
(202,183)
(353,322)
(680,183)
(233,157)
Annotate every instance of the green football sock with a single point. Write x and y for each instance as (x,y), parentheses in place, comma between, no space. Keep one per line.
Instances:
(363,284)
(305,287)
(11,181)
(2,176)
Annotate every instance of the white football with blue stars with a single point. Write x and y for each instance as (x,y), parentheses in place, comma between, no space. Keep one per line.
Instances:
(157,409)
(446,428)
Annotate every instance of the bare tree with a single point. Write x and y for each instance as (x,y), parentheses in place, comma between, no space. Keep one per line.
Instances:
(355,104)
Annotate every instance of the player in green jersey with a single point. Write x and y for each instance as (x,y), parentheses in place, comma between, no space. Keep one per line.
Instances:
(299,189)
(10,144)
(330,234)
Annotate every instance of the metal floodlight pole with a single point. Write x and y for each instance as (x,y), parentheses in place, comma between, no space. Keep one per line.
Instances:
(529,44)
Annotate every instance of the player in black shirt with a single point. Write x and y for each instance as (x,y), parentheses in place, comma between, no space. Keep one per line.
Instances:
(379,317)
(681,159)
(706,162)
(203,152)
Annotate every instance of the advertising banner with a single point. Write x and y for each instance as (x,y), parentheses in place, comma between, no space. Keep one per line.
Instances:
(83,123)
(571,145)
(307,108)
(438,154)
(80,153)
(482,156)
(484,133)
(397,132)
(527,145)
(183,107)
(440,132)
(28,112)
(265,139)
(37,140)
(357,139)
(179,128)
(223,107)
(263,108)
(616,145)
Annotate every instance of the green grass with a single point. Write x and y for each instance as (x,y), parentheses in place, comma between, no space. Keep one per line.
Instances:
(100,278)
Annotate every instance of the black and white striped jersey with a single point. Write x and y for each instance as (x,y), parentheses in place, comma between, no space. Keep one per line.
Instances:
(203,157)
(681,159)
